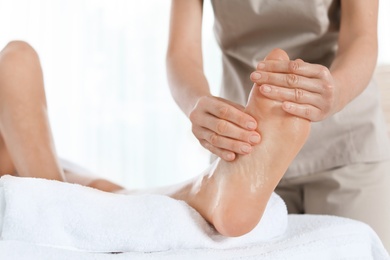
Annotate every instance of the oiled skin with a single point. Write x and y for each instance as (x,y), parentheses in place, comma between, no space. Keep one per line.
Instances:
(230,195)
(233,195)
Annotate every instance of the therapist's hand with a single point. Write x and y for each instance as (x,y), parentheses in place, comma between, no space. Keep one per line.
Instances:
(306,90)
(223,127)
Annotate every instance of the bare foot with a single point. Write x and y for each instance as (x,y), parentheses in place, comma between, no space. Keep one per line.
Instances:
(86,179)
(233,195)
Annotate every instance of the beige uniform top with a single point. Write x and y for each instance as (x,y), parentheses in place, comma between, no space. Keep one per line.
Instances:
(247,30)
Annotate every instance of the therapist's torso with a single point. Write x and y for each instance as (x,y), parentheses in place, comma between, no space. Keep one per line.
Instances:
(247,30)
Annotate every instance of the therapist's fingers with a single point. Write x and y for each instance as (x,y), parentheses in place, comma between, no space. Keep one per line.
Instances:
(288,81)
(298,67)
(222,146)
(223,128)
(223,138)
(312,106)
(230,111)
(297,102)
(302,110)
(295,95)
(293,74)
(221,109)
(309,84)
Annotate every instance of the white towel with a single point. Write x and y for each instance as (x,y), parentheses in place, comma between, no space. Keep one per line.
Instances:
(71,216)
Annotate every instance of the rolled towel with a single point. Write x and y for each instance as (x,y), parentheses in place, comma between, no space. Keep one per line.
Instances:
(58,214)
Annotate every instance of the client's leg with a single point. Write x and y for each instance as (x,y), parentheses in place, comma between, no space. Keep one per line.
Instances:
(89,180)
(233,195)
(26,145)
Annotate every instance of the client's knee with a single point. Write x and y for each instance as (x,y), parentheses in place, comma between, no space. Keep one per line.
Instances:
(16,51)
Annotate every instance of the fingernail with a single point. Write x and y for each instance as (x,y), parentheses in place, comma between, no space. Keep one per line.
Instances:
(287,105)
(254,139)
(246,148)
(251,125)
(266,88)
(256,75)
(229,156)
(261,65)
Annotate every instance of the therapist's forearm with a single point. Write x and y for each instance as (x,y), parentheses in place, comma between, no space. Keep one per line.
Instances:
(353,68)
(186,80)
(356,58)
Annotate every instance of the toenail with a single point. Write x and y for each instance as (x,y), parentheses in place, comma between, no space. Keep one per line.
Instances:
(254,139)
(245,148)
(266,88)
(256,75)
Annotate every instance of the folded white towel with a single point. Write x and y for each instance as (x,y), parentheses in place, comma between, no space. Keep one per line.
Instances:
(71,216)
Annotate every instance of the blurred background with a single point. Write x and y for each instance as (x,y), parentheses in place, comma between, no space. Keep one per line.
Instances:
(109,102)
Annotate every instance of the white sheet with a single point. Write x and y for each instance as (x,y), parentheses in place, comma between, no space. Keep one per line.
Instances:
(307,237)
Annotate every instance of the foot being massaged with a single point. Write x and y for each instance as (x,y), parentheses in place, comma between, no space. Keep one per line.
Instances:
(224,193)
